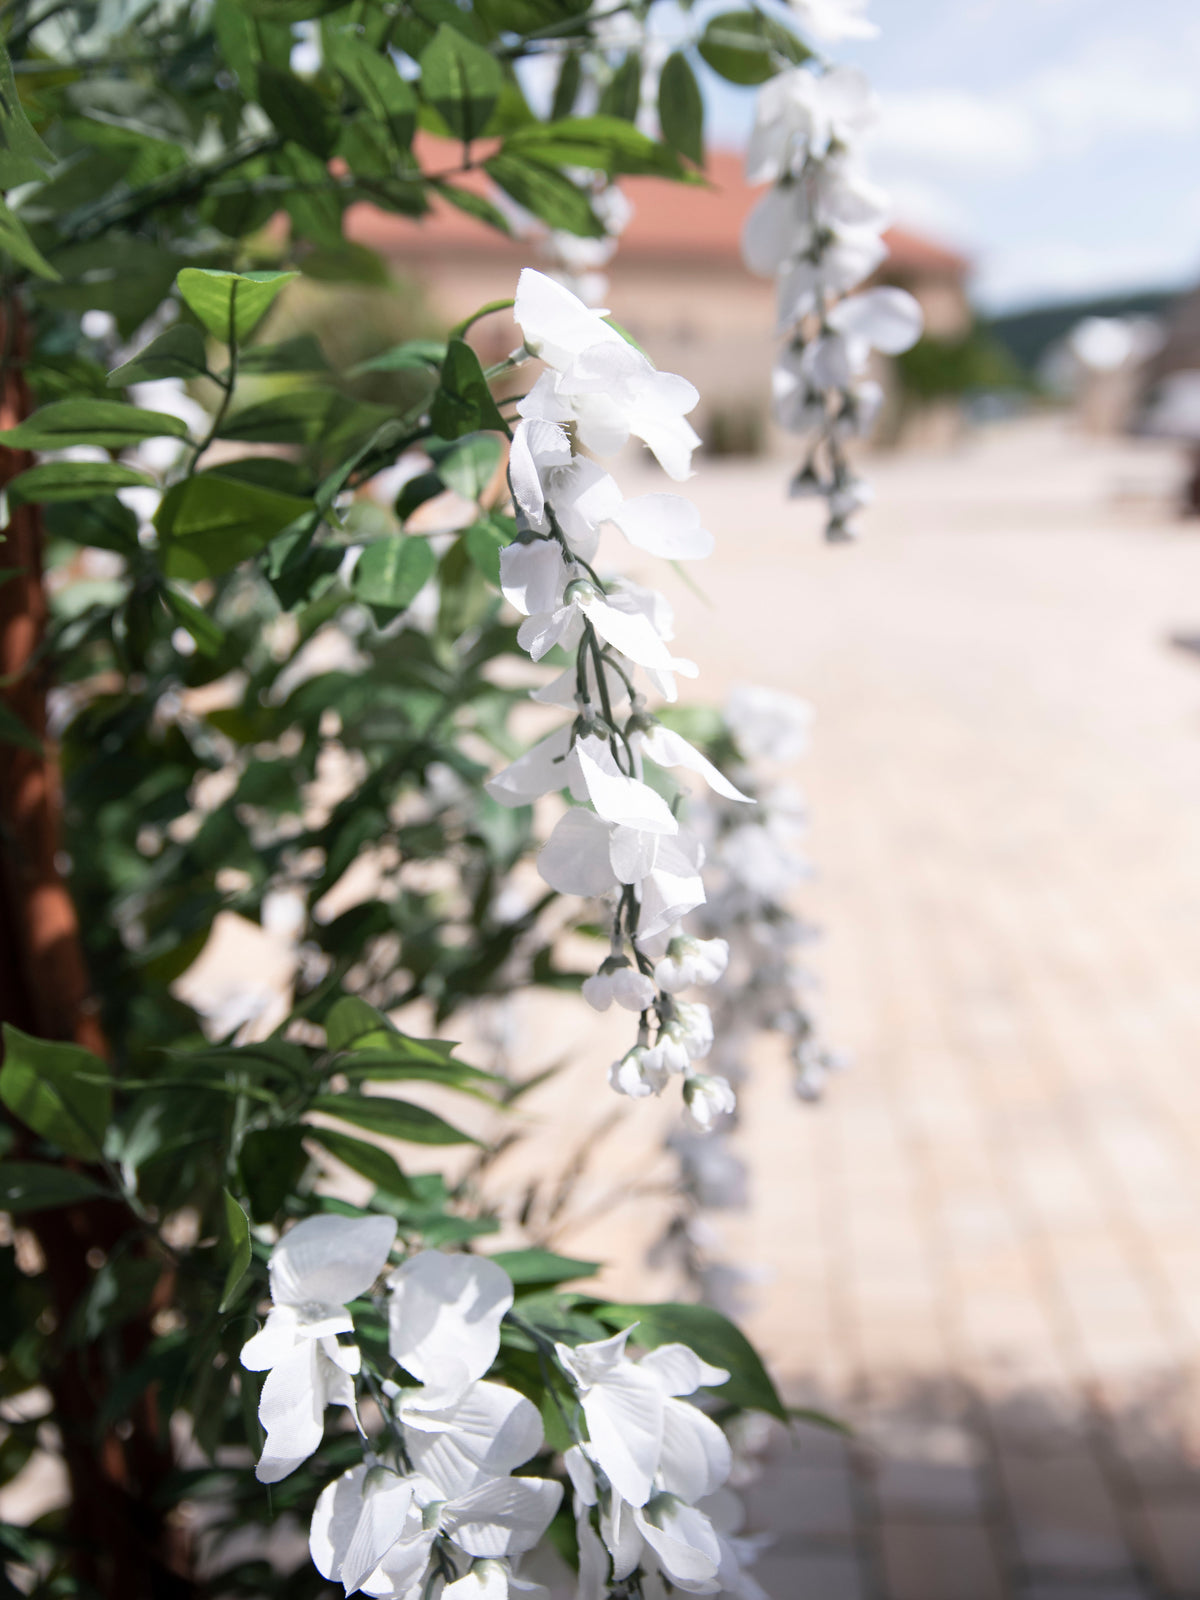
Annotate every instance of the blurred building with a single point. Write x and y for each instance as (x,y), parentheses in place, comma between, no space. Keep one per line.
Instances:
(677,282)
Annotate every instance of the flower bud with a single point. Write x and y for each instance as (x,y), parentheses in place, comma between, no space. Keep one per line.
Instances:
(636,1074)
(706,1100)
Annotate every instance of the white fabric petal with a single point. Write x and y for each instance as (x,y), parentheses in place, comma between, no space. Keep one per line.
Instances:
(777,230)
(556,324)
(334,1520)
(548,766)
(292,1411)
(403,1568)
(487,1433)
(444,1317)
(384,1504)
(575,858)
(276,1339)
(503,1516)
(631,633)
(624,1415)
(682,1538)
(888,319)
(540,633)
(533,575)
(330,1259)
(622,1536)
(624,800)
(633,853)
(696,1457)
(670,749)
(679,1370)
(664,525)
(536,446)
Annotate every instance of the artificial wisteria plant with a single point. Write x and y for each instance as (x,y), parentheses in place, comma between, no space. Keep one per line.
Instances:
(263,635)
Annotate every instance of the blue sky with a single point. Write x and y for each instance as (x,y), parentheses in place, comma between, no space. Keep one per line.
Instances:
(1056,141)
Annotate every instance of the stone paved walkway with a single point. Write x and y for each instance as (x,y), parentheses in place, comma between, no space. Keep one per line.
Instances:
(985,1246)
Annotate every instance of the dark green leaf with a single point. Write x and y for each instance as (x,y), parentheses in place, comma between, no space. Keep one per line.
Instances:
(296,109)
(230,302)
(270,1163)
(301,354)
(540,187)
(681,108)
(474,205)
(23,155)
(463,403)
(209,523)
(390,572)
(369,1160)
(747,47)
(300,416)
(110,424)
(15,240)
(417,355)
(61,1091)
(372,76)
(602,142)
(395,1119)
(623,91)
(177,353)
(542,1269)
(208,637)
(714,1339)
(237,1248)
(351,1020)
(31,1186)
(461,81)
(566,90)
(73,480)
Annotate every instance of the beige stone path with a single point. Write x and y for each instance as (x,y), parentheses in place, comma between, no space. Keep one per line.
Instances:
(985,1246)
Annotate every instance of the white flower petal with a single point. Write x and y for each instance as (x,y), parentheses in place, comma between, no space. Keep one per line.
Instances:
(487,1433)
(543,769)
(670,749)
(556,324)
(330,1259)
(887,319)
(575,858)
(682,1538)
(533,575)
(624,1416)
(624,800)
(384,1504)
(503,1516)
(292,1411)
(695,1457)
(444,1317)
(679,1370)
(665,525)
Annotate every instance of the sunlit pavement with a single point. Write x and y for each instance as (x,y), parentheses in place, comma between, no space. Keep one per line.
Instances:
(984,1249)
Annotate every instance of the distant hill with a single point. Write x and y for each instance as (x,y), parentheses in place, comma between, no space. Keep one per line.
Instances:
(1027,335)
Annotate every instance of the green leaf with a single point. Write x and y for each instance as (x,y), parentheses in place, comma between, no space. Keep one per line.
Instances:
(474,205)
(484,542)
(61,1091)
(601,142)
(413,1061)
(15,240)
(416,355)
(542,1269)
(209,638)
(463,403)
(271,1161)
(31,1186)
(23,155)
(714,1339)
(237,1246)
(231,302)
(461,81)
(297,110)
(301,354)
(104,522)
(177,353)
(373,78)
(110,424)
(540,187)
(395,1119)
(14,731)
(624,89)
(351,1020)
(392,571)
(73,480)
(209,523)
(300,416)
(369,1160)
(747,47)
(471,465)
(681,108)
(566,90)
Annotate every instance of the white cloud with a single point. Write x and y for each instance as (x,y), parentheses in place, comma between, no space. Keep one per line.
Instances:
(955,129)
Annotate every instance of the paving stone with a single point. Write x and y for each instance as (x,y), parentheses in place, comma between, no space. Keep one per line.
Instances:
(1174,1544)
(1066,1519)
(938,1561)
(811,1575)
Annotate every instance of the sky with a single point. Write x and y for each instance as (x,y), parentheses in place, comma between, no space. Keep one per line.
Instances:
(1056,141)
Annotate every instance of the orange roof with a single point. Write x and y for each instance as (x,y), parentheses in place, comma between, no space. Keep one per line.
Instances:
(669,220)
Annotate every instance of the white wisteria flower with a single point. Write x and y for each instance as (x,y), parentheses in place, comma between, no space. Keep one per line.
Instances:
(598,381)
(706,1100)
(315,1270)
(690,963)
(801,113)
(620,981)
(768,724)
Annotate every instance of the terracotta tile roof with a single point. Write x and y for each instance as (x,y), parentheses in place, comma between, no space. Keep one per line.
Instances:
(670,221)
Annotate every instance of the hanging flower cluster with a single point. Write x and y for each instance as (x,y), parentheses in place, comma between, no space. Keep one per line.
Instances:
(437,1506)
(818,231)
(434,1496)
(649,1477)
(622,840)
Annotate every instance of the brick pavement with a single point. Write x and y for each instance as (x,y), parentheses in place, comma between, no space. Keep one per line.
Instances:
(985,1247)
